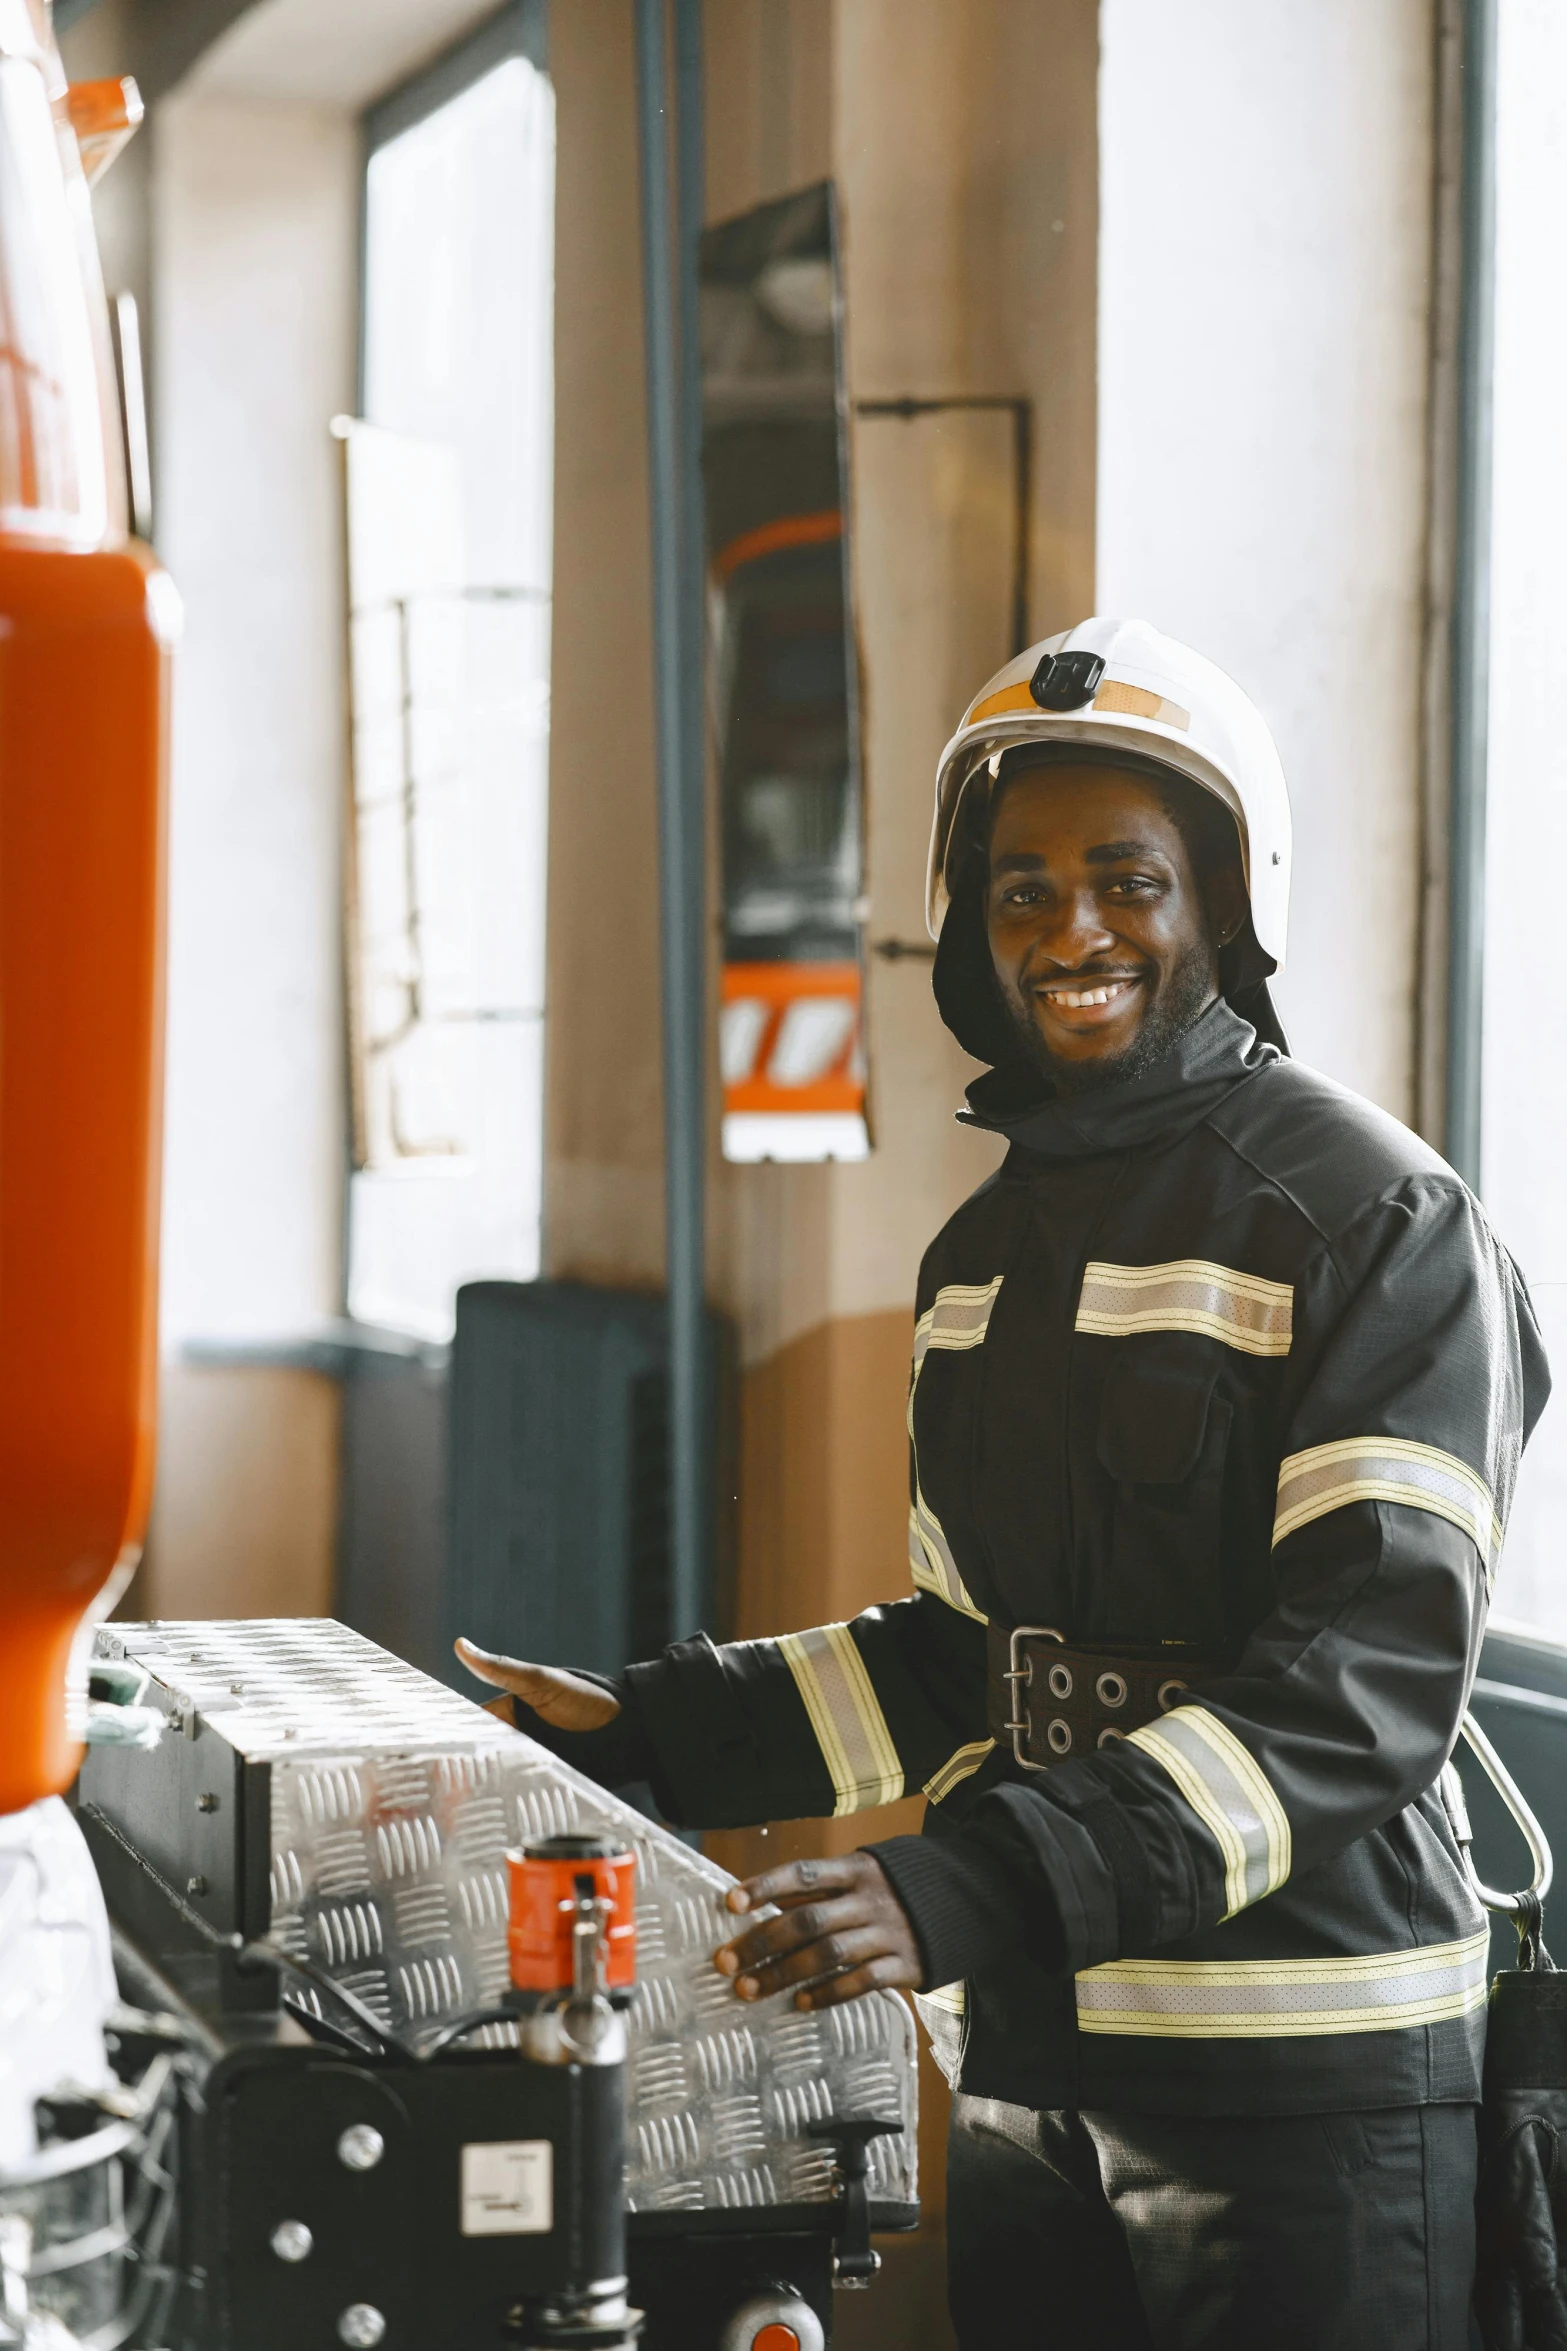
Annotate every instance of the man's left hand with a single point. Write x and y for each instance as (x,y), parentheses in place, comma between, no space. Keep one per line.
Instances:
(840,1931)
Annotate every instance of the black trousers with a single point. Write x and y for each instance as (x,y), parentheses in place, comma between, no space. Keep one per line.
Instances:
(1115,2232)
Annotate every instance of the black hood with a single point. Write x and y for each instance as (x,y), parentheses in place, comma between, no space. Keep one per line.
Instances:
(964,980)
(969,1000)
(1234,1037)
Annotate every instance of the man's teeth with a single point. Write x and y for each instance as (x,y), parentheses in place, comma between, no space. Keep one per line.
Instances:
(1074,997)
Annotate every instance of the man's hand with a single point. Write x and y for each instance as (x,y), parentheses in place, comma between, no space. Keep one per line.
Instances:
(840,1931)
(565,1701)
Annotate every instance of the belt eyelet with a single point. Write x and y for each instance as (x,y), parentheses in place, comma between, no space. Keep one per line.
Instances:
(1110,1736)
(1059,1735)
(1168,1693)
(1110,1690)
(1060,1681)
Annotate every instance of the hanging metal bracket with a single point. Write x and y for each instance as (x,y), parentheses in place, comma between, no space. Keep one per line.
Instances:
(1525,1908)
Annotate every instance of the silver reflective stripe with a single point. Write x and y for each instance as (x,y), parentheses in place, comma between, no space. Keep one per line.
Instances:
(1388,1469)
(951,1999)
(957,1319)
(931,1563)
(851,1730)
(1280,1999)
(958,1768)
(1189,1294)
(1231,1795)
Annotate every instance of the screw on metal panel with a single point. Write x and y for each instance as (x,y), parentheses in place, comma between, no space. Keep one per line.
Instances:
(206,1801)
(360,2325)
(196,1885)
(292,2241)
(361,2148)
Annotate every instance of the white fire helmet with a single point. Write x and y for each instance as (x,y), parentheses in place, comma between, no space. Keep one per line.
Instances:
(1118,686)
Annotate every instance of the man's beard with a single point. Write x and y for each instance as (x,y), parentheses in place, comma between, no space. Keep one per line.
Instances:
(1178,1007)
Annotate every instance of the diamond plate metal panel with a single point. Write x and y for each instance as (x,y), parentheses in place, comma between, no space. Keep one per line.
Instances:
(393,1803)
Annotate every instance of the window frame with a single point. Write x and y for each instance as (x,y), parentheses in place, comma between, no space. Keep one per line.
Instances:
(518,29)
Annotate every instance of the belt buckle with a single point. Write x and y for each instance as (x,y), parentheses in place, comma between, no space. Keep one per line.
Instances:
(1023,1673)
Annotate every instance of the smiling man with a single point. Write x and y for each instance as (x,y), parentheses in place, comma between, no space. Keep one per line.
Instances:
(1110,899)
(1218,1394)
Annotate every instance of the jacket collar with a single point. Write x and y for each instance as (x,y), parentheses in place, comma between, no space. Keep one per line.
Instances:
(1217,1053)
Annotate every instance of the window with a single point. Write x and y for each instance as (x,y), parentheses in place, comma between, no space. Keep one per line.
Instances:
(448,479)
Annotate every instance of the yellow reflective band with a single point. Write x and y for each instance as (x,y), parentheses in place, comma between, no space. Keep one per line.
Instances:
(952,1999)
(994,705)
(1190,1294)
(957,1319)
(958,1768)
(1231,1795)
(1280,1999)
(931,1564)
(1388,1469)
(851,1730)
(1137,702)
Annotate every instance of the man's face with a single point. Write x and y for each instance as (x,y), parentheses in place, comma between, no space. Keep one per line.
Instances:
(1104,944)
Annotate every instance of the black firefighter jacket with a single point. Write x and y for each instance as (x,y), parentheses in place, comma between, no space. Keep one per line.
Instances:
(1225,1356)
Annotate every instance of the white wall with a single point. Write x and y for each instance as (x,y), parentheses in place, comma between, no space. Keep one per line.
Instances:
(1524,1170)
(255,225)
(1264,247)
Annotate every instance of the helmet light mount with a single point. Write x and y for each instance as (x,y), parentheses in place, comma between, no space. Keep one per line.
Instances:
(1066,681)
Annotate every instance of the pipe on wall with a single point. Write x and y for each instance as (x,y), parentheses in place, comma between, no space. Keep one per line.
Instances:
(672,203)
(1471,648)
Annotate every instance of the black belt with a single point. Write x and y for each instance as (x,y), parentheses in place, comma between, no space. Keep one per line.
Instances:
(1053,1700)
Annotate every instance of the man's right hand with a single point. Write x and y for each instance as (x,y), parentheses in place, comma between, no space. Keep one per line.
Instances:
(564,1700)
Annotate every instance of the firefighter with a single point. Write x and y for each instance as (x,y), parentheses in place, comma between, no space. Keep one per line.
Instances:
(1218,1395)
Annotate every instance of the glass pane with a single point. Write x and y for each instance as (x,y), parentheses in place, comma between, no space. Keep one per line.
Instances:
(783,682)
(449,503)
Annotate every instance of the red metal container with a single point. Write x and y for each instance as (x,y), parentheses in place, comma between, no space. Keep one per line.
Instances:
(544,1885)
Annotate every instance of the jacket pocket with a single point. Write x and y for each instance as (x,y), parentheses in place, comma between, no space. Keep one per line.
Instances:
(1164,1433)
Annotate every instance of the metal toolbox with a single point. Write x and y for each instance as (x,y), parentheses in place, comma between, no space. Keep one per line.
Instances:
(316,1795)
